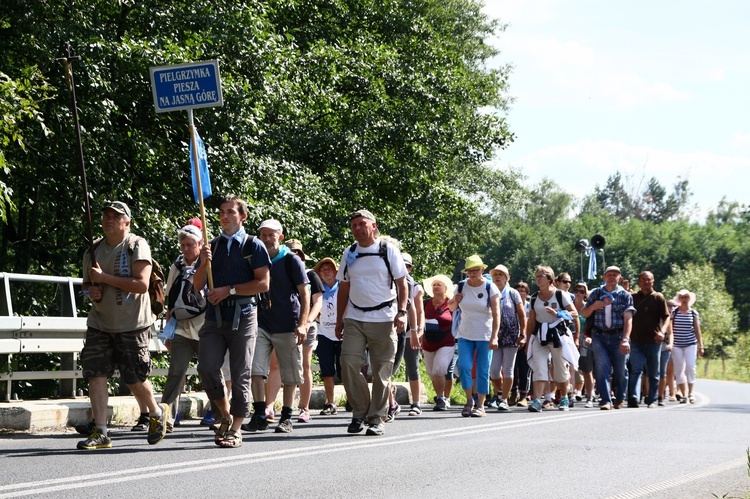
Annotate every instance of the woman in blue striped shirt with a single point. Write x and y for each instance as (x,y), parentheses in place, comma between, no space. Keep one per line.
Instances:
(688,343)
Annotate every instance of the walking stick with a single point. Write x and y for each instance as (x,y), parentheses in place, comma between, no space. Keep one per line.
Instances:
(67,62)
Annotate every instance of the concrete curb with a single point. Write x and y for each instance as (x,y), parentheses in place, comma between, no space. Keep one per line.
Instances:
(37,415)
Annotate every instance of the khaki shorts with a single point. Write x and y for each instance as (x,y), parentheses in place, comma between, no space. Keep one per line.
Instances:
(288,353)
(104,352)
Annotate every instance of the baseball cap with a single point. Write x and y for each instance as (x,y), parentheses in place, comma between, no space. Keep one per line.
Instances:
(612,268)
(362,213)
(271,224)
(117,206)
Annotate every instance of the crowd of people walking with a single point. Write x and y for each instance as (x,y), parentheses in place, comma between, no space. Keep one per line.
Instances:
(253,313)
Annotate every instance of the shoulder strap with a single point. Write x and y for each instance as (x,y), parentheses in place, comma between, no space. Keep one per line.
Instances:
(533,300)
(461,286)
(558,297)
(384,254)
(488,287)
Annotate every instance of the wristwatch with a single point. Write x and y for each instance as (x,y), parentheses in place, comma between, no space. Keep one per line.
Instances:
(402,312)
(232,290)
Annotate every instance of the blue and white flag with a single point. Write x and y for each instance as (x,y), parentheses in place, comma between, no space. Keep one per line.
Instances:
(592,263)
(203,170)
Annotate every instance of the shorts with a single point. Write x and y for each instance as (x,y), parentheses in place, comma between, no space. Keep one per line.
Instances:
(329,357)
(312,335)
(288,353)
(128,352)
(586,360)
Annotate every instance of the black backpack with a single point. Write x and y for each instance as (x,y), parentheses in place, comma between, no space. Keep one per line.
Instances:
(185,302)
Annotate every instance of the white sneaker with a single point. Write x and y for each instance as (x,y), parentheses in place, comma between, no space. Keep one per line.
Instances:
(589,403)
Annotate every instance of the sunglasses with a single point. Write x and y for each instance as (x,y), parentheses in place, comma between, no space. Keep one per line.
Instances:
(565,282)
(580,291)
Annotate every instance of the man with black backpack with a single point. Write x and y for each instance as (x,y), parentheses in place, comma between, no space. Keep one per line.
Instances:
(241,271)
(186,307)
(371,310)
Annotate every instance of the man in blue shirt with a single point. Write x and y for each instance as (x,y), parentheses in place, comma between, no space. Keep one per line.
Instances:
(612,309)
(240,270)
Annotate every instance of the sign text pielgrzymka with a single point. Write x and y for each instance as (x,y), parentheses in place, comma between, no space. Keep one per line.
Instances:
(186,86)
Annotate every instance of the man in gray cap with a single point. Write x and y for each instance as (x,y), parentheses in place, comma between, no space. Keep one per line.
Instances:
(370,312)
(612,308)
(117,334)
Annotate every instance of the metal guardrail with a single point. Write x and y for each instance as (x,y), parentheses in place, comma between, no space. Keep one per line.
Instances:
(63,335)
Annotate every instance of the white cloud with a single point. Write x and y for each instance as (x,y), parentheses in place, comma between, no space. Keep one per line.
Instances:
(740,141)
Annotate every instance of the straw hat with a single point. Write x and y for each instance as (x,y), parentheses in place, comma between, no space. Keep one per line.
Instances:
(502,269)
(427,283)
(325,260)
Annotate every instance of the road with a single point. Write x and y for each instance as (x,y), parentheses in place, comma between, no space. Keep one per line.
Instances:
(677,451)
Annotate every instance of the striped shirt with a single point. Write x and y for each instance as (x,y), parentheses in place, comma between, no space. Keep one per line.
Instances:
(683,328)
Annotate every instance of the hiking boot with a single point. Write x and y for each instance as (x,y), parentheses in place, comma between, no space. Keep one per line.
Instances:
(328,410)
(356,426)
(157,427)
(284,426)
(142,424)
(95,441)
(85,428)
(376,429)
(257,423)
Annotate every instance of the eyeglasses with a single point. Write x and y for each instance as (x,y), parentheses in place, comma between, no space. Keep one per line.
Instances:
(471,271)
(564,281)
(580,291)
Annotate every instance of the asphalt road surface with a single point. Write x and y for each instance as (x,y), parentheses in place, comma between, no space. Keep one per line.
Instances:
(676,451)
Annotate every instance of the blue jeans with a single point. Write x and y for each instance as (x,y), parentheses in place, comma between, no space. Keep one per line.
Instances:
(644,355)
(609,360)
(663,361)
(466,349)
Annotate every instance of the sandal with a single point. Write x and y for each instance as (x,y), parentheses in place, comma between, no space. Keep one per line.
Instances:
(691,398)
(478,412)
(466,412)
(415,410)
(222,430)
(231,439)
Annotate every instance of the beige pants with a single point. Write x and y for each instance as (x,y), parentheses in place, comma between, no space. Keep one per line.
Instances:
(380,339)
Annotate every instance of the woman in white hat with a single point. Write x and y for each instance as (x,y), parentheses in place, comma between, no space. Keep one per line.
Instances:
(687,343)
(478,300)
(438,342)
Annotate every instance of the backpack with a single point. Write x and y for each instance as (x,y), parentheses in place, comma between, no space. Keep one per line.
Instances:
(155,281)
(382,253)
(263,300)
(185,302)
(558,297)
(487,287)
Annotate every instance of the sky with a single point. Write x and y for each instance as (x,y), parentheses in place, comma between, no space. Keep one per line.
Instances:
(646,88)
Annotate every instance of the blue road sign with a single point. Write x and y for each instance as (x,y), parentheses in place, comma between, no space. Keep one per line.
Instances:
(186,86)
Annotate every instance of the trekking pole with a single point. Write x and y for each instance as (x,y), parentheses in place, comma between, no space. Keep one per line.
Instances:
(67,62)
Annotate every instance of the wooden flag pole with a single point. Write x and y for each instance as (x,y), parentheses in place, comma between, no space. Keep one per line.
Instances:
(196,169)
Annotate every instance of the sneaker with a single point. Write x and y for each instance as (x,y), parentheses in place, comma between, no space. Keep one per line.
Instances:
(170,427)
(356,426)
(142,424)
(633,403)
(284,426)
(478,412)
(683,400)
(493,403)
(618,404)
(86,429)
(564,404)
(651,406)
(548,404)
(304,416)
(377,429)
(439,404)
(578,396)
(522,402)
(95,441)
(589,403)
(257,423)
(605,407)
(535,406)
(328,410)
(447,401)
(661,402)
(513,399)
(415,409)
(208,418)
(157,427)
(392,411)
(270,414)
(503,406)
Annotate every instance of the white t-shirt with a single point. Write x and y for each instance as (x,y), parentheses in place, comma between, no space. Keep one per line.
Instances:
(370,283)
(539,306)
(476,316)
(327,317)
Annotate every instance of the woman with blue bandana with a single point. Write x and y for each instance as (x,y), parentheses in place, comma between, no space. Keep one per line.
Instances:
(329,346)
